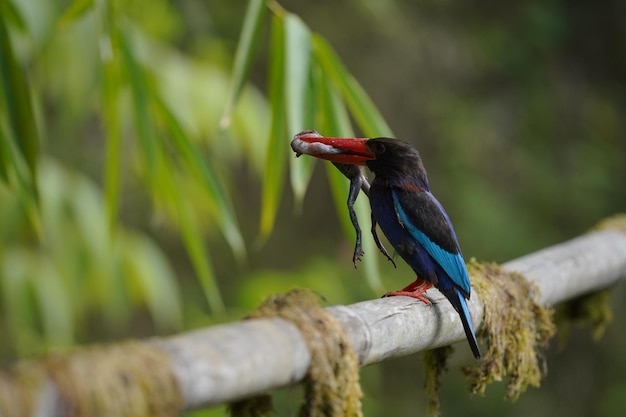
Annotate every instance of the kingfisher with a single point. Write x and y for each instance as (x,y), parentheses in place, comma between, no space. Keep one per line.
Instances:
(409,215)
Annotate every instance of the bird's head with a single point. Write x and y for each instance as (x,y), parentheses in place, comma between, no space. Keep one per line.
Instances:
(390,159)
(393,158)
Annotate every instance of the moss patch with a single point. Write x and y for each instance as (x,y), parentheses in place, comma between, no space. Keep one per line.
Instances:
(515,328)
(126,379)
(616,222)
(18,387)
(259,406)
(435,364)
(332,384)
(590,309)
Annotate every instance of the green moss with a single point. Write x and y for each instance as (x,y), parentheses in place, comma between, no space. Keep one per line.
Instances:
(515,328)
(593,309)
(17,388)
(616,222)
(332,384)
(126,379)
(435,364)
(259,406)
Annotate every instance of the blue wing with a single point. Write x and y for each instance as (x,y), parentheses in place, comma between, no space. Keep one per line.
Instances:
(426,220)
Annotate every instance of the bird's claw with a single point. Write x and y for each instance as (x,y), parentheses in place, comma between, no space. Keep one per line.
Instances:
(413,294)
(358,255)
(416,289)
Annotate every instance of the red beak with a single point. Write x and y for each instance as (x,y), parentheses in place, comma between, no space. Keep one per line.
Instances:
(341,150)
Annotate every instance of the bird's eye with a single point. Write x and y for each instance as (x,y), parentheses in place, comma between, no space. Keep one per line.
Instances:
(379,148)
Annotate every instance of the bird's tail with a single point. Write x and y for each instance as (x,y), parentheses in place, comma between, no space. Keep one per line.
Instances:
(457,299)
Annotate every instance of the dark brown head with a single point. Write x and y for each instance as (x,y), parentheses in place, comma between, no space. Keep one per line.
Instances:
(395,159)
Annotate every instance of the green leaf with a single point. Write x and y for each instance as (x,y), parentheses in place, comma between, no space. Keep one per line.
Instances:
(141,99)
(195,246)
(112,166)
(54,303)
(76,236)
(16,304)
(365,113)
(149,268)
(189,226)
(207,176)
(17,171)
(74,12)
(297,69)
(331,113)
(297,95)
(18,102)
(246,49)
(13,16)
(277,144)
(5,152)
(334,121)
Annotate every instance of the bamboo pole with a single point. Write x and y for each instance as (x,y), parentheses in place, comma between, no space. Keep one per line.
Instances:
(227,362)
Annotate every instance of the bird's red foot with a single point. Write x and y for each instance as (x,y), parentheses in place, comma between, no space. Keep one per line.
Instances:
(414,290)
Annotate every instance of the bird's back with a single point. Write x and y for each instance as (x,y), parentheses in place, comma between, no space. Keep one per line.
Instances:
(419,229)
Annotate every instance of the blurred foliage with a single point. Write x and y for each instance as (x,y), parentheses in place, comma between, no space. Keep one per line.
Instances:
(136,172)
(101,87)
(51,290)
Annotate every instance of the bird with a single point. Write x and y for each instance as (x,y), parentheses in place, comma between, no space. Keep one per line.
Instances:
(409,215)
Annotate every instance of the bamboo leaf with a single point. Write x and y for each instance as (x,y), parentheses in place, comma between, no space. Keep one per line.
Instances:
(189,226)
(297,68)
(140,90)
(18,102)
(207,176)
(297,94)
(12,15)
(361,106)
(110,101)
(54,303)
(187,221)
(75,11)
(199,257)
(5,151)
(148,266)
(331,113)
(146,99)
(17,171)
(333,120)
(16,305)
(246,49)
(277,144)
(194,244)
(160,171)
